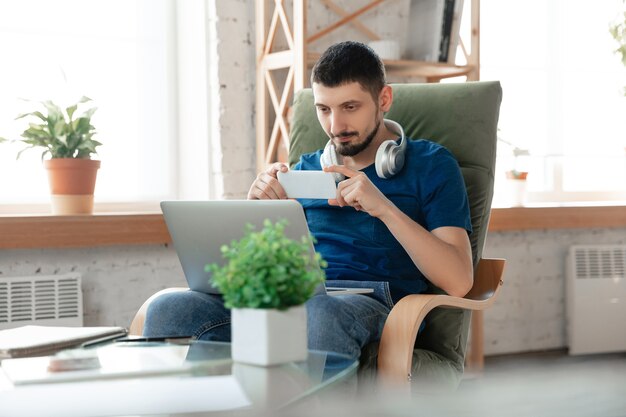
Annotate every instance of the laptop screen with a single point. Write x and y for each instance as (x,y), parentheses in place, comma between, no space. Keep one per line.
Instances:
(199,229)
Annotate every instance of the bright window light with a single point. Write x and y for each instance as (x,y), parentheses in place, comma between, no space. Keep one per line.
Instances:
(563,95)
(118,53)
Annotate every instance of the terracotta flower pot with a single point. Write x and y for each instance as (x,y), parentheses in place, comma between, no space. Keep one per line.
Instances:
(72,183)
(516,175)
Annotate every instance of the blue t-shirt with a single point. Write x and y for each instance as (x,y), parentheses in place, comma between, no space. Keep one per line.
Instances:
(429,189)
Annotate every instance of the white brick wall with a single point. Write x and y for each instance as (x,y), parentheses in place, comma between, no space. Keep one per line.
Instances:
(232,47)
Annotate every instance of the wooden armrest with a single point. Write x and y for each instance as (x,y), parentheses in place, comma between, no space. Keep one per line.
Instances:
(395,352)
(136,326)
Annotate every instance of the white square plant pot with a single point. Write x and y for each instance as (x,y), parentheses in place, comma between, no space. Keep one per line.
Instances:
(267,336)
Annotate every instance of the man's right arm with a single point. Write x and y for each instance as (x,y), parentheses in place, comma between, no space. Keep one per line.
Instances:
(266,185)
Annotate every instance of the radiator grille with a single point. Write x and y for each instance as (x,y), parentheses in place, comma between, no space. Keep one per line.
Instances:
(596,299)
(600,261)
(49,300)
(4,302)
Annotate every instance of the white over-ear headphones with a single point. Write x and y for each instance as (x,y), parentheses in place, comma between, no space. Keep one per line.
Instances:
(389,156)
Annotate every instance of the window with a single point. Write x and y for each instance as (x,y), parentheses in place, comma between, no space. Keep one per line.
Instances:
(563,96)
(117,52)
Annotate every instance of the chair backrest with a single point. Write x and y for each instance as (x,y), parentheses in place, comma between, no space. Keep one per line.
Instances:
(463,117)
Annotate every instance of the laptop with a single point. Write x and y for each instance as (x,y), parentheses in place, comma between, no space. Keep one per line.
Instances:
(199,228)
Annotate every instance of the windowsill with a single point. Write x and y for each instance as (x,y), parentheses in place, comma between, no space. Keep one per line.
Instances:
(142,224)
(559,216)
(111,224)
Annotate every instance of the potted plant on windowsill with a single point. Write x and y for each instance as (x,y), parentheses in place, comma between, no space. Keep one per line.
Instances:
(514,174)
(69,143)
(265,281)
(516,178)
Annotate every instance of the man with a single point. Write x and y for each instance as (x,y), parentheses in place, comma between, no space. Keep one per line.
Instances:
(391,234)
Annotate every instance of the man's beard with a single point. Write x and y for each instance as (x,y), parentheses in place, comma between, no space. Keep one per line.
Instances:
(351,149)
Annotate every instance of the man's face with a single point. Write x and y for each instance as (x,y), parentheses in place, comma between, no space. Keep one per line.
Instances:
(349,116)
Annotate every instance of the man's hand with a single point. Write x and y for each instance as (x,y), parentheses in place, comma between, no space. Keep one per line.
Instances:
(266,185)
(358,191)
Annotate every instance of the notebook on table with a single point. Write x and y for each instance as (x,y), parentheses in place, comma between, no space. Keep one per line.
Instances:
(41,340)
(199,228)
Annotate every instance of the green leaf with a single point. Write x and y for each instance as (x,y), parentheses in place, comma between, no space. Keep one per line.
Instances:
(54,111)
(58,130)
(88,113)
(35,113)
(70,111)
(20,152)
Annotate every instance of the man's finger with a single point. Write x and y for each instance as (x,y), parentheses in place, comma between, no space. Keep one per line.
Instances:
(275,167)
(272,187)
(259,194)
(341,169)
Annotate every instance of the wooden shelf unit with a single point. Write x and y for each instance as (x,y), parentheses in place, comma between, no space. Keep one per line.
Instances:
(272,136)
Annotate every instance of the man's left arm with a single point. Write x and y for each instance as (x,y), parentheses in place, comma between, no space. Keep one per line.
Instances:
(443,255)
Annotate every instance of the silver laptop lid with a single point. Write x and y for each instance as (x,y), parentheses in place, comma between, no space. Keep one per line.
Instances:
(199,228)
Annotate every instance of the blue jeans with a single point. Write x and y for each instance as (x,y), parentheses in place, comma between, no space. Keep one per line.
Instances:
(339,323)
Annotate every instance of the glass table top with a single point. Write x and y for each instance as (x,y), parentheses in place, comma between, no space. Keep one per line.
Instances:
(156,378)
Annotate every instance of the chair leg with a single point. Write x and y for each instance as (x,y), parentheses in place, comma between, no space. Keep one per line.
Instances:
(475,358)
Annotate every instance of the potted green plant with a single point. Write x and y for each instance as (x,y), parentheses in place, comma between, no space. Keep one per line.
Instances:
(516,178)
(68,141)
(265,281)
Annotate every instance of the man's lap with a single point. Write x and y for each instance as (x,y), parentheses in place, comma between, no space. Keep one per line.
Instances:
(188,313)
(331,319)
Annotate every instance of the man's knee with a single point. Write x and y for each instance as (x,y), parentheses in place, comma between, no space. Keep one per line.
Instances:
(323,310)
(183,314)
(164,314)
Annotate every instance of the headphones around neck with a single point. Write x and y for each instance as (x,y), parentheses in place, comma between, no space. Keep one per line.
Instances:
(389,156)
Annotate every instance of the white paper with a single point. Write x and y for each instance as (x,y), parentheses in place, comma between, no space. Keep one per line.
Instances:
(162,395)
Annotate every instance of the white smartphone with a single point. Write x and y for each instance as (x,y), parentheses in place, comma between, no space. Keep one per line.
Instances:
(308,184)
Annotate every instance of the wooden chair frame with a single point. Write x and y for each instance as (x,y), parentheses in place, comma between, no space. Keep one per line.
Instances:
(395,352)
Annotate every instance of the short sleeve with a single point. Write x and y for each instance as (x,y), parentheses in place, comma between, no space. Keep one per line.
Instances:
(445,196)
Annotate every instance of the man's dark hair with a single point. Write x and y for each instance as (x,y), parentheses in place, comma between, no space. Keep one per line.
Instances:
(350,61)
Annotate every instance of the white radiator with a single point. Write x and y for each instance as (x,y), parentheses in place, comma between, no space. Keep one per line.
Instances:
(55,300)
(596,298)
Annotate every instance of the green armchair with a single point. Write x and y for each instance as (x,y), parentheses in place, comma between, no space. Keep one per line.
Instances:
(463,117)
